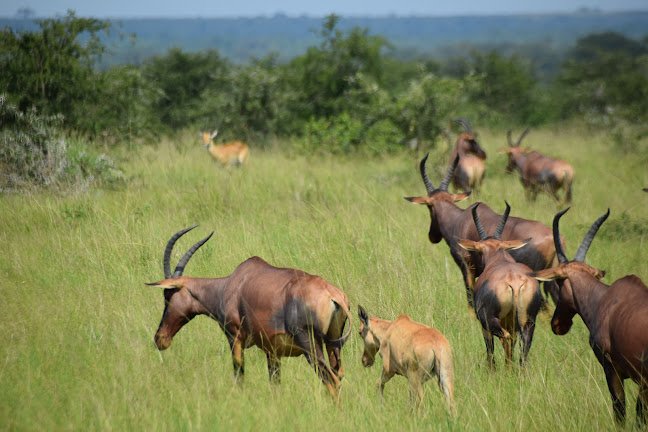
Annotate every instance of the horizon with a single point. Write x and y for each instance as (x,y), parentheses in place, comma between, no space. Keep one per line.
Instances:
(193,9)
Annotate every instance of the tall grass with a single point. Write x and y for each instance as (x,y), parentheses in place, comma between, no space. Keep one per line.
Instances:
(76,346)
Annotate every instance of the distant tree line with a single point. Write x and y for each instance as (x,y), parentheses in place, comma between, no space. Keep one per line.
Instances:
(343,94)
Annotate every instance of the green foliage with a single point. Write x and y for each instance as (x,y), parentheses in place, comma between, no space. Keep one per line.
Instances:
(52,69)
(326,75)
(606,81)
(248,102)
(33,152)
(182,78)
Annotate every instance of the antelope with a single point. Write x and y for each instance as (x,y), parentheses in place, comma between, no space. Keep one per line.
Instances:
(450,223)
(538,172)
(616,316)
(234,153)
(507,299)
(409,349)
(284,312)
(471,168)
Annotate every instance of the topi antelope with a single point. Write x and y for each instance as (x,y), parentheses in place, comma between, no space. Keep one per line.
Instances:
(507,299)
(450,223)
(234,153)
(538,172)
(285,312)
(616,316)
(471,168)
(409,349)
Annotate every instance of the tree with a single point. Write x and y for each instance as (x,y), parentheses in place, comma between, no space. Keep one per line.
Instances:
(52,69)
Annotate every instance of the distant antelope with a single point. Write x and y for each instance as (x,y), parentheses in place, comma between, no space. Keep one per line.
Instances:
(409,349)
(616,316)
(471,168)
(507,299)
(285,312)
(451,223)
(233,153)
(538,172)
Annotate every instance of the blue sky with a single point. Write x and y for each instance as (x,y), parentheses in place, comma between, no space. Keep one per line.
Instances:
(229,8)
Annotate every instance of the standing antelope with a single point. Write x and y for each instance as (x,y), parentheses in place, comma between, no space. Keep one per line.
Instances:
(234,153)
(507,299)
(471,168)
(539,172)
(615,315)
(450,223)
(409,349)
(285,312)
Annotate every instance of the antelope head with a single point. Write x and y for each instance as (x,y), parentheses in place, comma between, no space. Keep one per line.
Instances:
(513,150)
(570,272)
(371,344)
(180,306)
(467,141)
(436,195)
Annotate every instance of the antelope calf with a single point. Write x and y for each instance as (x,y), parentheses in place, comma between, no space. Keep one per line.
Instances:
(409,349)
(450,223)
(507,299)
(285,312)
(615,315)
(471,168)
(234,153)
(538,172)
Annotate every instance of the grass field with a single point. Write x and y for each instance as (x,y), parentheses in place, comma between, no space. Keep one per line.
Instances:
(76,346)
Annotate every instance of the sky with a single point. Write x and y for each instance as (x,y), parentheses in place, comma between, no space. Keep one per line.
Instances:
(255,8)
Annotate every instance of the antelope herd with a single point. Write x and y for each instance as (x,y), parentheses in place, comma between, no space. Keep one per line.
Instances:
(288,312)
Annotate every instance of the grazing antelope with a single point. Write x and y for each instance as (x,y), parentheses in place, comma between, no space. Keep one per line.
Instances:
(471,168)
(616,316)
(507,299)
(409,349)
(285,312)
(450,223)
(234,153)
(539,172)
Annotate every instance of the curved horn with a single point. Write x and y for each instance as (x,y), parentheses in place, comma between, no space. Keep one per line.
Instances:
(463,122)
(428,184)
(448,176)
(510,138)
(169,247)
(480,227)
(522,135)
(502,222)
(185,259)
(560,252)
(587,241)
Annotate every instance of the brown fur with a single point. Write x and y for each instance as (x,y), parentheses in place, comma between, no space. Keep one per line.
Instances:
(513,299)
(540,173)
(284,312)
(233,153)
(471,168)
(409,349)
(451,223)
(617,319)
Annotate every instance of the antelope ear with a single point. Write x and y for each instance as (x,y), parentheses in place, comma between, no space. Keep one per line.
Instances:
(460,196)
(362,314)
(213,135)
(516,244)
(468,244)
(164,285)
(505,150)
(419,200)
(546,274)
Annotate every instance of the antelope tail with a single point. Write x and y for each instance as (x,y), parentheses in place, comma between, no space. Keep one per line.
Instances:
(339,342)
(445,372)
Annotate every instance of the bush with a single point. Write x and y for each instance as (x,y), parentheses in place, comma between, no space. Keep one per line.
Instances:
(33,152)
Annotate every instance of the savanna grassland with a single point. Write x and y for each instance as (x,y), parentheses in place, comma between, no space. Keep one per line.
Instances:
(76,346)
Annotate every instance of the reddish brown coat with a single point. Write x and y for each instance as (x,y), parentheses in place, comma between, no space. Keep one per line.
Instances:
(285,312)
(616,317)
(233,153)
